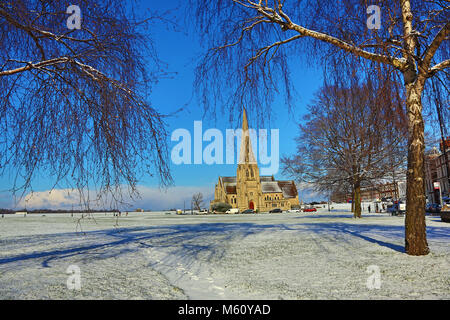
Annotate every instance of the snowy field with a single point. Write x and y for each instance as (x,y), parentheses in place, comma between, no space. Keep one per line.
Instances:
(155,255)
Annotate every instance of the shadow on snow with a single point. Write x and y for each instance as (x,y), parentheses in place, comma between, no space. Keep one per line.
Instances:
(208,240)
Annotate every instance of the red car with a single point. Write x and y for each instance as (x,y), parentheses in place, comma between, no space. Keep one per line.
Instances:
(310,209)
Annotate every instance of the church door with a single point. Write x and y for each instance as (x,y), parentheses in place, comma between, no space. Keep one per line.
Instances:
(251,205)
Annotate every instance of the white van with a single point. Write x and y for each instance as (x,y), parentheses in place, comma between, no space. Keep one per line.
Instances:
(232,211)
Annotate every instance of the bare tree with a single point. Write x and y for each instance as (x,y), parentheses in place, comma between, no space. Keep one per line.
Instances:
(197,200)
(73,101)
(251,43)
(349,139)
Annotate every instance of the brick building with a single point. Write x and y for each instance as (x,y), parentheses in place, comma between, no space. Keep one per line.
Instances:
(436,171)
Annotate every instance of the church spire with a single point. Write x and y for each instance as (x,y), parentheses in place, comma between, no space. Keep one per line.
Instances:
(244,121)
(246,153)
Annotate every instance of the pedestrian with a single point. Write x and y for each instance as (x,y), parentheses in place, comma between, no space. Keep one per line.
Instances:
(369,208)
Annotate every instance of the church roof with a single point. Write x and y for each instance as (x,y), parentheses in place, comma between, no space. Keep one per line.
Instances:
(229,184)
(228,179)
(230,190)
(270,187)
(289,188)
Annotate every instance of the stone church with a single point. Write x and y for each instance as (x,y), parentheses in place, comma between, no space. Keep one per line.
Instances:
(249,190)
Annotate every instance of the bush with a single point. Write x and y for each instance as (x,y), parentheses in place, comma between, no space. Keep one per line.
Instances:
(220,206)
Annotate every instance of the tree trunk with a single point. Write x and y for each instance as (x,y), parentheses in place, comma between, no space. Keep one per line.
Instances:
(415,228)
(353,199)
(357,201)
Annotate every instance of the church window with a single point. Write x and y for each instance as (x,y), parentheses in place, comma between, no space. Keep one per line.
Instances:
(247,147)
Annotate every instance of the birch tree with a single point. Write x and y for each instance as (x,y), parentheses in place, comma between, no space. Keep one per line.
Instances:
(74,83)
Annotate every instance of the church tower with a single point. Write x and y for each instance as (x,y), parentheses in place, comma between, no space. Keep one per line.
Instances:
(248,184)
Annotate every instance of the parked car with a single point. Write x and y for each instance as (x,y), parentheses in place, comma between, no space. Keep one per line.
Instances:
(277,210)
(248,211)
(310,209)
(445,213)
(294,210)
(232,211)
(433,208)
(396,208)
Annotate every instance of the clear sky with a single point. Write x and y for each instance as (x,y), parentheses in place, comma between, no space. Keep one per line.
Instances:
(180,51)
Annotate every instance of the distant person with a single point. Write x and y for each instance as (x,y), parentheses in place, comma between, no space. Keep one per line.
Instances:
(3,215)
(369,208)
(126,213)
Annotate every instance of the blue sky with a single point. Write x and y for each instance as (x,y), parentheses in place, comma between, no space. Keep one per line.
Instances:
(180,50)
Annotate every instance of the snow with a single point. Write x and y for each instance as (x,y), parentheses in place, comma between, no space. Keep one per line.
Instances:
(323,255)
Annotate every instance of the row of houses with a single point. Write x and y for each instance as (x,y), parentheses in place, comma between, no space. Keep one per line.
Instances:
(437,182)
(437,163)
(383,190)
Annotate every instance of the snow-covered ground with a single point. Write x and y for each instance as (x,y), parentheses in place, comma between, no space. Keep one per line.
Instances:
(155,255)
